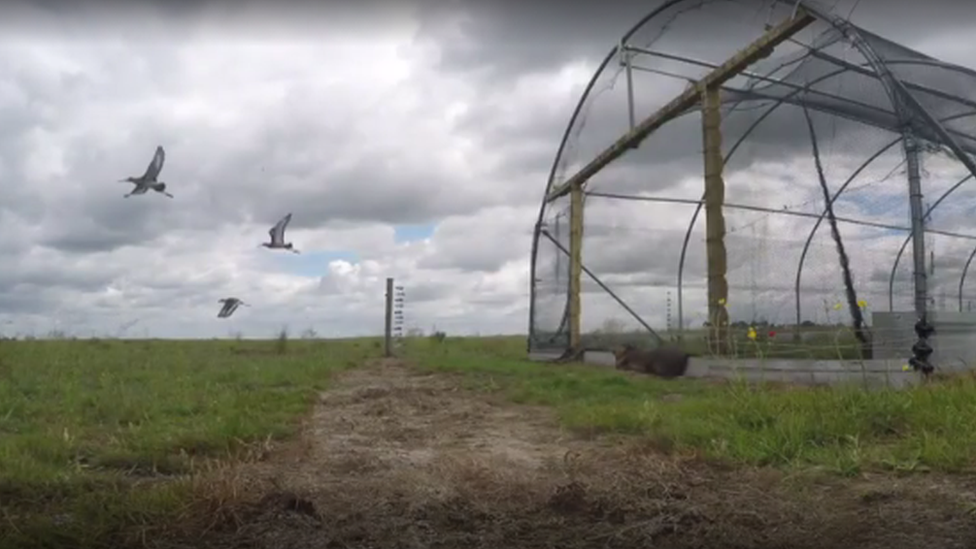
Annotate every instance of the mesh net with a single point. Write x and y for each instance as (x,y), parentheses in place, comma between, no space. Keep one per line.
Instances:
(644,227)
(551,281)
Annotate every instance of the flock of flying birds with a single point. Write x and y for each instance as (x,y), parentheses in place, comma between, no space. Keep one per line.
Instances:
(149,180)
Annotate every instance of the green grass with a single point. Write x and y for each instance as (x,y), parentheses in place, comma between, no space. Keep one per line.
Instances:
(86,426)
(842,429)
(110,433)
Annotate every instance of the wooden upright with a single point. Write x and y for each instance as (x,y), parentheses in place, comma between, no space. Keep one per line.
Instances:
(706,92)
(718,286)
(575,267)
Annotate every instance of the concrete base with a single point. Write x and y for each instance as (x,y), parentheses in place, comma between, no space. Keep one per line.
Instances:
(868,373)
(954,342)
(545,356)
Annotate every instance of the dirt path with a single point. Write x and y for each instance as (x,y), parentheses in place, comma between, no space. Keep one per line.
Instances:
(396,459)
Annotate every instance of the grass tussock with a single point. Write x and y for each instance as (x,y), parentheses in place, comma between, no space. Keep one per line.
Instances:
(843,429)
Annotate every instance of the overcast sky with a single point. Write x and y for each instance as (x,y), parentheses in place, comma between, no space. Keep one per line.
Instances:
(407,140)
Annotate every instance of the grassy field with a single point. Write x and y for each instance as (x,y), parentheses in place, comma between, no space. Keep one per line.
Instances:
(89,428)
(842,429)
(101,438)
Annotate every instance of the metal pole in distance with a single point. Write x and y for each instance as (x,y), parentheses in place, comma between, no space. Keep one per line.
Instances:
(921,350)
(624,51)
(388,331)
(918,225)
(962,277)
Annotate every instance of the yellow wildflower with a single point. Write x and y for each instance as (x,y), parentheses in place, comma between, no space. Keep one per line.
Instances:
(751,334)
(838,306)
(862,304)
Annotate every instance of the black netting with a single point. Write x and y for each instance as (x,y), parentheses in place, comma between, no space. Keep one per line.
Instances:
(549,324)
(644,230)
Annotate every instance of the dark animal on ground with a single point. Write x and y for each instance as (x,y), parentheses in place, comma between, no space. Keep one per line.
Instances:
(666,361)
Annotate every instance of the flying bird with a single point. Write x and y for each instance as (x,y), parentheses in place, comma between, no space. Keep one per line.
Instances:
(230,305)
(148,180)
(278,236)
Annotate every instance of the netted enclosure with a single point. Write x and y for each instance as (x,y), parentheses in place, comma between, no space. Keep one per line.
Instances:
(745,171)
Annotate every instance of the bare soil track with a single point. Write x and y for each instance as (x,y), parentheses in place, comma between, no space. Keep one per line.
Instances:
(394,458)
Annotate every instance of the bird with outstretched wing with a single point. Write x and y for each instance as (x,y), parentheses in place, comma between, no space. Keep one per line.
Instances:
(277,234)
(230,304)
(148,180)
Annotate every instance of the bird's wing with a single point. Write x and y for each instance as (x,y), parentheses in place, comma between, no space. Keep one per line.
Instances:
(156,165)
(278,231)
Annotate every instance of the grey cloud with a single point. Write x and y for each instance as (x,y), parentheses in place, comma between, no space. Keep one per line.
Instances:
(483,244)
(424,292)
(47,274)
(619,251)
(675,150)
(260,180)
(158,21)
(74,213)
(24,299)
(484,254)
(297,158)
(504,38)
(484,299)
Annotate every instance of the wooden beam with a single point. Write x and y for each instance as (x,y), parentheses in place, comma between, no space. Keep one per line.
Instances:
(762,47)
(718,286)
(575,268)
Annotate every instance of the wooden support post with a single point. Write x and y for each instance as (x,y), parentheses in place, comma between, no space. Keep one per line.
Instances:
(718,287)
(575,267)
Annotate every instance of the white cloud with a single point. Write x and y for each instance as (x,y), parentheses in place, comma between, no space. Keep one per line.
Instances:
(355,129)
(354,103)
